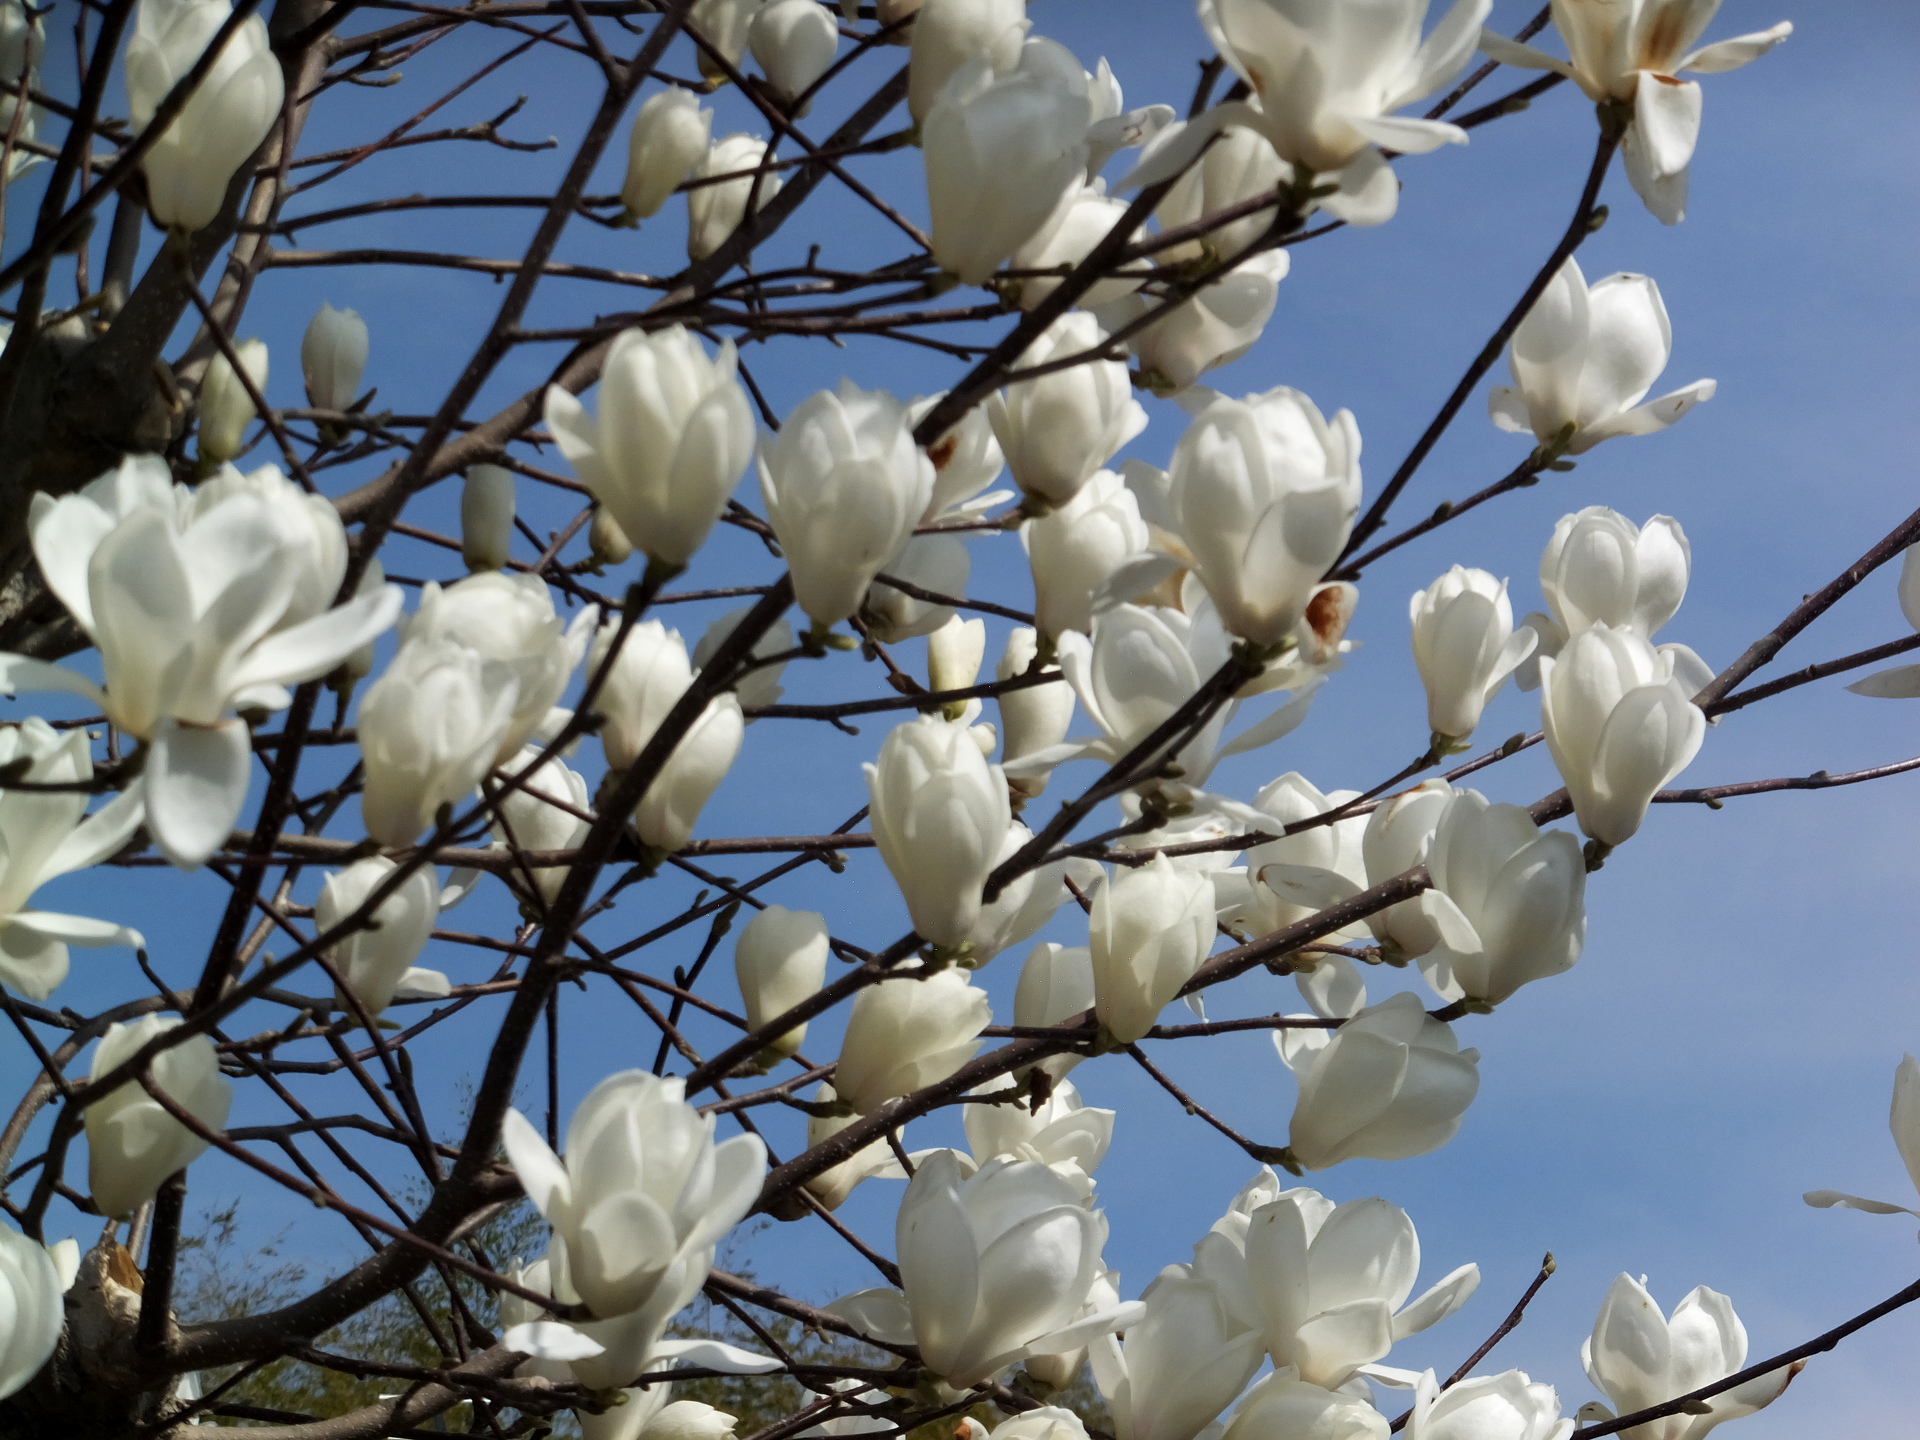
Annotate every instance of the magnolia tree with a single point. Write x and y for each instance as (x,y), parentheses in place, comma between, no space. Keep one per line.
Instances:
(209,641)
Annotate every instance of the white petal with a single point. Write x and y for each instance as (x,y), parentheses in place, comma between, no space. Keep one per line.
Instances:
(100,834)
(715,1355)
(76,929)
(1826,1199)
(420,984)
(19,672)
(541,1174)
(1902,682)
(197,780)
(1725,55)
(1666,112)
(551,1340)
(1407,134)
(1521,57)
(310,649)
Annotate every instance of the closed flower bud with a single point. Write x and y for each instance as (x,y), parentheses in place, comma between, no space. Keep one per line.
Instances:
(672,439)
(994,1263)
(940,813)
(1508,901)
(1602,569)
(1080,221)
(533,811)
(430,727)
(1218,325)
(1619,725)
(644,1193)
(333,357)
(844,484)
(1075,549)
(1397,838)
(607,541)
(1390,1084)
(936,563)
(793,42)
(1464,646)
(1002,147)
(1193,1351)
(949,33)
(714,211)
(1056,984)
(373,960)
(1149,931)
(1059,429)
(133,1144)
(670,136)
(32,1296)
(223,121)
(761,685)
(906,1033)
(1236,167)
(832,1185)
(486,517)
(780,960)
(1033,719)
(724,24)
(1583,361)
(954,653)
(1282,1406)
(226,410)
(1268,491)
(690,1419)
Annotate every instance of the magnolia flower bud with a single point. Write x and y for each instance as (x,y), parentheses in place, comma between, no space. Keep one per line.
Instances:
(954,653)
(1081,220)
(1330,1279)
(1508,1405)
(793,42)
(1507,904)
(993,1263)
(1391,1083)
(532,811)
(1059,429)
(1464,646)
(486,517)
(1064,1131)
(606,539)
(1601,569)
(906,1033)
(1297,875)
(133,1144)
(715,211)
(843,484)
(644,1193)
(724,24)
(1075,549)
(940,813)
(672,438)
(1268,491)
(226,410)
(759,686)
(949,33)
(31,1293)
(1637,1358)
(937,563)
(1056,984)
(780,960)
(1218,325)
(670,136)
(430,727)
(1187,1358)
(1001,150)
(690,1419)
(333,357)
(1033,719)
(1396,839)
(1584,358)
(1236,167)
(1150,929)
(224,120)
(374,959)
(966,460)
(832,1185)
(1281,1407)
(1619,725)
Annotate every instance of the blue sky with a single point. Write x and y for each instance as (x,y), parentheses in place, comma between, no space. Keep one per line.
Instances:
(1729,1037)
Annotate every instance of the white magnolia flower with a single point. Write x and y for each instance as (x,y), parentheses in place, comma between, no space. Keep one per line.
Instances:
(1297,875)
(793,42)
(948,33)
(939,564)
(544,812)
(780,960)
(133,1144)
(1149,931)
(1620,724)
(375,960)
(832,1185)
(644,1193)
(1509,1406)
(1028,901)
(1217,326)
(1397,838)
(430,728)
(1065,1130)
(1464,646)
(1056,984)
(1188,1357)
(1332,1283)
(1585,356)
(226,410)
(486,517)
(1059,428)
(1033,719)
(223,121)
(940,817)
(906,1033)
(1900,682)
(1075,549)
(47,834)
(725,24)
(1634,51)
(1285,1405)
(670,136)
(1637,1358)
(761,685)
(672,438)
(844,483)
(1904,1120)
(1083,218)
(954,654)
(31,1296)
(1508,902)
(189,605)
(1236,167)
(1389,1084)
(966,460)
(716,209)
(333,357)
